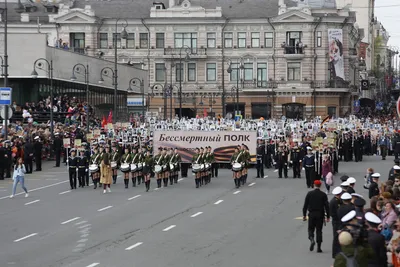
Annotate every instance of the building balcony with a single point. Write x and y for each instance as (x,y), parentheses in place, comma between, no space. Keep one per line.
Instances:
(293,52)
(194,53)
(330,84)
(258,86)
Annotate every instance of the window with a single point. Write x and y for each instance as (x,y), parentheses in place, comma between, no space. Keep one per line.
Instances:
(185,39)
(293,71)
(261,74)
(160,43)
(130,41)
(77,42)
(269,39)
(160,72)
(235,71)
(228,40)
(292,38)
(248,71)
(144,40)
(117,37)
(319,39)
(211,40)
(241,39)
(179,72)
(332,111)
(211,72)
(191,72)
(255,39)
(103,40)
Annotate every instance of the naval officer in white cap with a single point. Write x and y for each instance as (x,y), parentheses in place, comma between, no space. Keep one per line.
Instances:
(374,187)
(376,241)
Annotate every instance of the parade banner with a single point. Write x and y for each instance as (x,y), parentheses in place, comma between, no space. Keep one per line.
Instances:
(398,107)
(222,143)
(335,41)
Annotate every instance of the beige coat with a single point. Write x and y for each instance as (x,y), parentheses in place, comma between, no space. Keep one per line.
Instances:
(106,174)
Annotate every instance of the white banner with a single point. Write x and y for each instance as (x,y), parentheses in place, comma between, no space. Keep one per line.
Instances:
(222,143)
(335,41)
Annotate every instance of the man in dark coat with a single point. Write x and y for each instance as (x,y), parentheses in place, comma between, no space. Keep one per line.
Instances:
(376,241)
(2,160)
(57,146)
(28,156)
(37,148)
(373,189)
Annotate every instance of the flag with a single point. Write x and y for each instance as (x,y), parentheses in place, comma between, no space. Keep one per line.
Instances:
(110,115)
(325,120)
(103,122)
(205,114)
(398,107)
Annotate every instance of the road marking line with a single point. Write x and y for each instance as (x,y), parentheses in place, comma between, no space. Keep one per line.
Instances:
(62,193)
(300,218)
(252,184)
(85,231)
(37,200)
(196,214)
(218,202)
(134,197)
(105,208)
(82,240)
(275,170)
(169,228)
(25,237)
(180,179)
(237,192)
(84,226)
(93,264)
(36,189)
(74,219)
(52,179)
(134,246)
(3,190)
(81,245)
(82,222)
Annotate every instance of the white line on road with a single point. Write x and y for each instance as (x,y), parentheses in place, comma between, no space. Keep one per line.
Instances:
(237,192)
(62,193)
(52,179)
(134,197)
(134,246)
(91,184)
(36,189)
(169,228)
(71,220)
(266,176)
(180,179)
(82,222)
(25,237)
(218,202)
(37,200)
(93,264)
(84,226)
(252,184)
(105,208)
(196,214)
(82,240)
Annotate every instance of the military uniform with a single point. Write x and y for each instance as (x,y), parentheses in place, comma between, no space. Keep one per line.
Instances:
(83,165)
(296,159)
(72,169)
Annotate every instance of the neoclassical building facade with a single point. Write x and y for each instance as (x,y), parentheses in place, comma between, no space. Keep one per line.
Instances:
(281,58)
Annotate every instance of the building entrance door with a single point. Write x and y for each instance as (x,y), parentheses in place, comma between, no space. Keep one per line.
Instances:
(294,111)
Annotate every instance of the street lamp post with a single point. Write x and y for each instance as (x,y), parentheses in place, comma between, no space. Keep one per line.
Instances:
(123,36)
(134,82)
(76,69)
(38,64)
(4,64)
(171,90)
(239,69)
(187,57)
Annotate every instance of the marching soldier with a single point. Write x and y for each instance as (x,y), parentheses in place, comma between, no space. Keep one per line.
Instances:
(237,165)
(126,159)
(334,206)
(57,146)
(309,166)
(135,160)
(95,160)
(281,160)
(83,165)
(295,158)
(178,160)
(214,164)
(260,159)
(159,162)
(166,166)
(72,168)
(196,160)
(37,147)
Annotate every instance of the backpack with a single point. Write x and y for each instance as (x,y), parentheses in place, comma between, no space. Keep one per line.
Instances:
(351,261)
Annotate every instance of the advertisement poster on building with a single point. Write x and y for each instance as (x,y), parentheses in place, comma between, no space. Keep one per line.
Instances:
(222,143)
(335,41)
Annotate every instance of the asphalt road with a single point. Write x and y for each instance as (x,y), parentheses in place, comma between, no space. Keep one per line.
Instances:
(217,225)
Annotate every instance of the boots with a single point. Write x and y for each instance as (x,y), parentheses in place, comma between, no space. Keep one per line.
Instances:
(95,184)
(147,185)
(139,179)
(171,180)
(158,183)
(165,180)
(114,179)
(134,182)
(197,180)
(126,181)
(319,250)
(312,245)
(176,179)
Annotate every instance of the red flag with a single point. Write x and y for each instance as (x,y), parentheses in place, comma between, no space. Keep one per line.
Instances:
(205,114)
(103,122)
(109,119)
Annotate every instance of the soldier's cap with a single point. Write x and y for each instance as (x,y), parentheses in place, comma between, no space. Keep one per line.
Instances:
(396,167)
(317,182)
(376,175)
(73,150)
(120,143)
(372,218)
(84,144)
(349,216)
(337,191)
(197,148)
(57,133)
(165,148)
(345,184)
(351,180)
(357,195)
(345,196)
(359,202)
(36,137)
(344,178)
(309,148)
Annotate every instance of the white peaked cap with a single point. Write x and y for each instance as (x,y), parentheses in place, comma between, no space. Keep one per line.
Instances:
(346,196)
(357,195)
(372,218)
(351,180)
(376,175)
(338,190)
(349,216)
(345,183)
